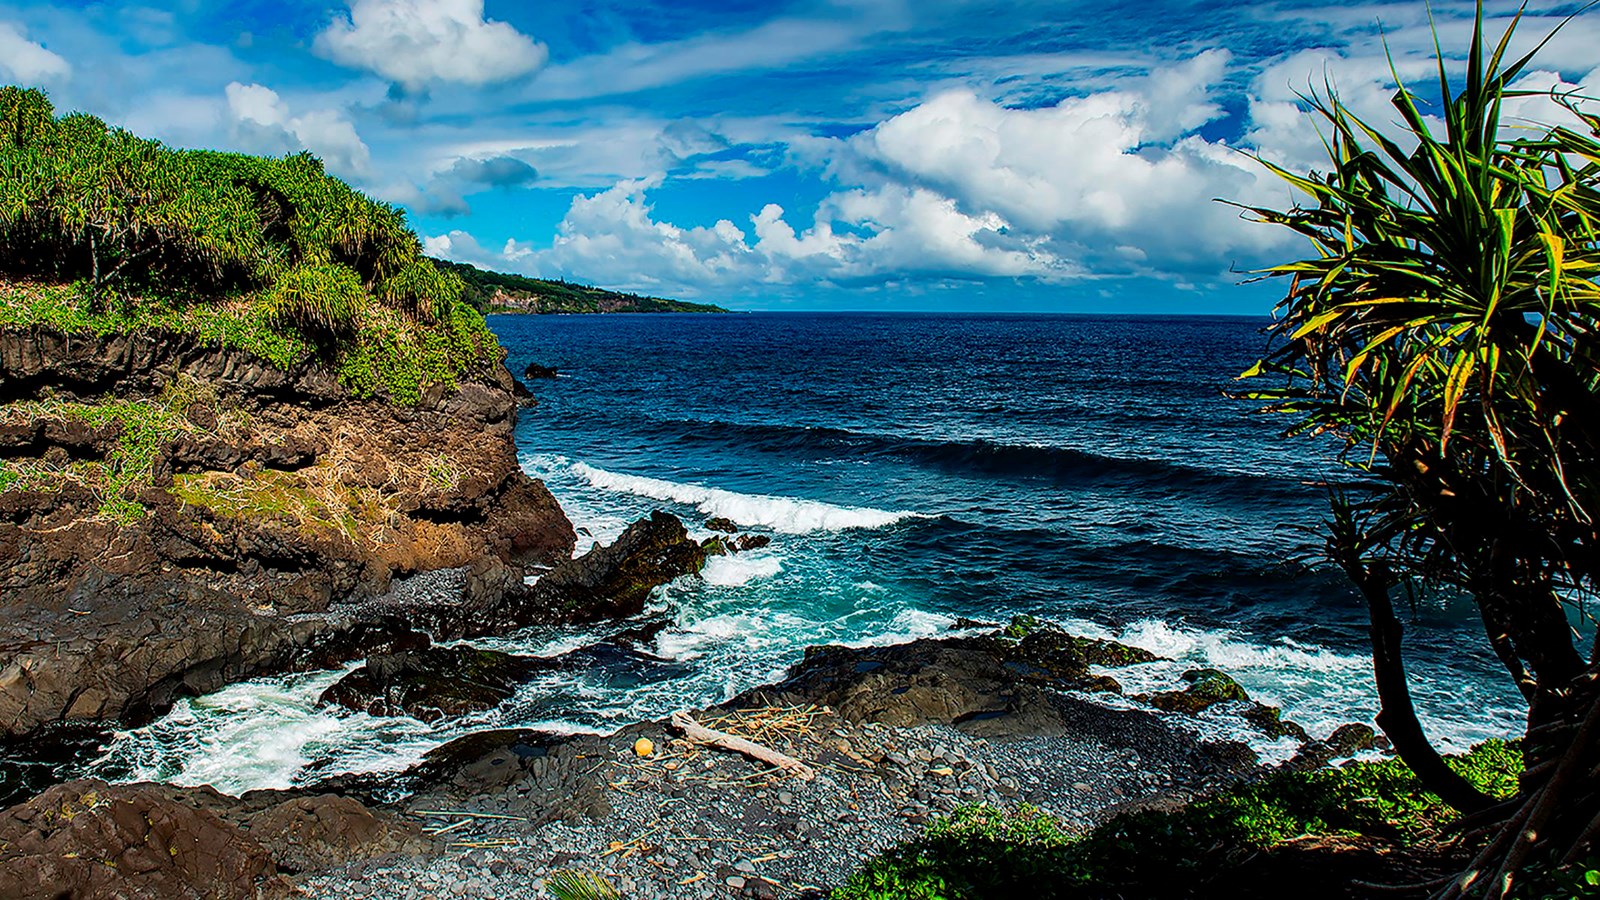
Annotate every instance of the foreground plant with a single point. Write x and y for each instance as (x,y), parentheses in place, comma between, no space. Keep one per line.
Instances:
(1196,851)
(1448,334)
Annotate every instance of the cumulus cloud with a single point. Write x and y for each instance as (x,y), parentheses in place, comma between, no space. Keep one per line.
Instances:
(981,177)
(28,62)
(1118,167)
(415,43)
(262,121)
(960,186)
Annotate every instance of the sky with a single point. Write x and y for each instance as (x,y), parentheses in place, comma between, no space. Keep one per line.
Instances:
(973,155)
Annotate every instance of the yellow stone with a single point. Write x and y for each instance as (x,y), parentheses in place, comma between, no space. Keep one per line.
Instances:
(643,747)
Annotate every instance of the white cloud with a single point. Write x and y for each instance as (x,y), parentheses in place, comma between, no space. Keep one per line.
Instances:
(262,121)
(1122,166)
(419,42)
(611,235)
(27,62)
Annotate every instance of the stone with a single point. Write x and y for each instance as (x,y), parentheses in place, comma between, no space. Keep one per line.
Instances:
(1207,688)
(318,832)
(92,839)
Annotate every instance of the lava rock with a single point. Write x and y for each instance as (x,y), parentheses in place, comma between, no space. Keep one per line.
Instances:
(534,370)
(748,542)
(433,683)
(722,524)
(615,581)
(91,839)
(1207,688)
(308,833)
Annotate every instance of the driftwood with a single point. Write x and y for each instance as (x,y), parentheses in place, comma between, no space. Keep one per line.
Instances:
(698,733)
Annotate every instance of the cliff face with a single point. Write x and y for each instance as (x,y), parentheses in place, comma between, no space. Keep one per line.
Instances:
(175,516)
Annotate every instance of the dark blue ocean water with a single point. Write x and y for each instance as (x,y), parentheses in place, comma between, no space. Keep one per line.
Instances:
(912,470)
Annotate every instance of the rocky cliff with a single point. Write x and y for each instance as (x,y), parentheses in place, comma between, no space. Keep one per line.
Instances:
(175,515)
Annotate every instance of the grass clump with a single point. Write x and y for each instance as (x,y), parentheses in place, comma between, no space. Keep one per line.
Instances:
(104,232)
(141,428)
(313,500)
(982,851)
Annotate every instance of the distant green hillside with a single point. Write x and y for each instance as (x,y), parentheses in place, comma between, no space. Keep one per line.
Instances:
(494,292)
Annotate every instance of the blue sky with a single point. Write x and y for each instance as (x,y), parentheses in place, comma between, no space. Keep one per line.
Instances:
(836,154)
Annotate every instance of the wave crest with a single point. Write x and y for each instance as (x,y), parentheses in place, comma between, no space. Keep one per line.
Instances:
(788,515)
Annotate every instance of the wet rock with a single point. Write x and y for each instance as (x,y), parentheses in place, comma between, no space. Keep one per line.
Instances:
(544,777)
(722,524)
(613,581)
(524,396)
(432,683)
(534,370)
(748,542)
(1269,721)
(90,839)
(437,683)
(47,757)
(1346,741)
(985,686)
(1054,653)
(1207,688)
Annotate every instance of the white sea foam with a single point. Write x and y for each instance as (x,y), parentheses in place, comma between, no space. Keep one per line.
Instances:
(1317,687)
(785,514)
(740,569)
(261,733)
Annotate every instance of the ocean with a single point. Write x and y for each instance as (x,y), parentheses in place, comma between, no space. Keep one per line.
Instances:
(914,472)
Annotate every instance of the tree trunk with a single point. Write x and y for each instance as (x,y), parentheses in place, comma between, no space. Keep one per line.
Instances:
(1397,714)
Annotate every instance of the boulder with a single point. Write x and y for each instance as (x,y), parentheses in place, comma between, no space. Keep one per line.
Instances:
(722,524)
(445,682)
(616,581)
(1269,721)
(534,370)
(89,839)
(308,833)
(1346,741)
(748,542)
(986,686)
(432,683)
(524,396)
(1207,688)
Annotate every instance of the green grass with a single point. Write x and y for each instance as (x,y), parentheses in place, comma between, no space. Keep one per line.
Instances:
(142,428)
(311,505)
(103,232)
(981,852)
(390,354)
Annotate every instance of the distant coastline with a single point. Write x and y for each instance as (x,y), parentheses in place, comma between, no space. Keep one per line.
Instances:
(500,292)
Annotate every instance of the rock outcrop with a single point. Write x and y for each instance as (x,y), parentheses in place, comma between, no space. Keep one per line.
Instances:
(90,839)
(435,683)
(273,506)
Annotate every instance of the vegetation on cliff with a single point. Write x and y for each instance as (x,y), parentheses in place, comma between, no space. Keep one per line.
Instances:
(103,232)
(499,292)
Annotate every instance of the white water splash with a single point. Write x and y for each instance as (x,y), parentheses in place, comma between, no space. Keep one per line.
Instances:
(787,515)
(740,569)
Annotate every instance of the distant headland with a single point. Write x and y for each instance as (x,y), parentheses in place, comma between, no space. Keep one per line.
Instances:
(499,292)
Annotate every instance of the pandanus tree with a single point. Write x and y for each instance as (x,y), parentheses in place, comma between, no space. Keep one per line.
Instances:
(1447,332)
(80,200)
